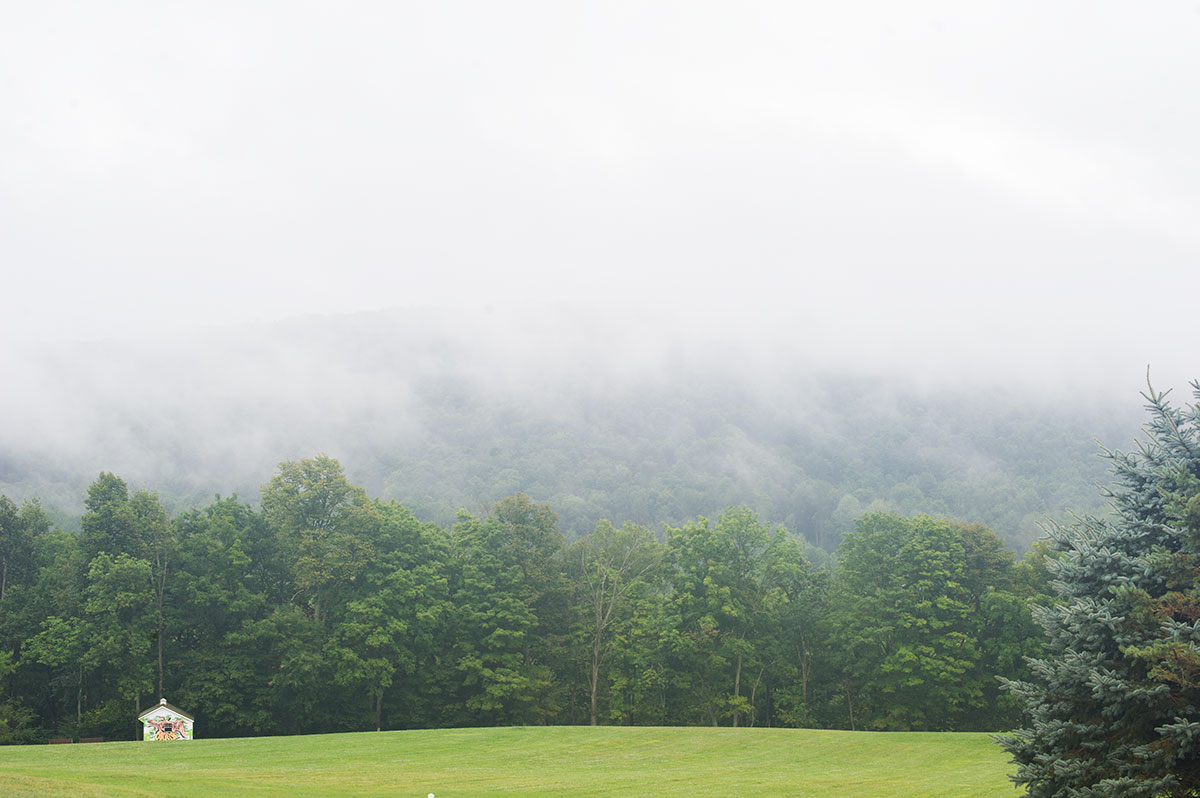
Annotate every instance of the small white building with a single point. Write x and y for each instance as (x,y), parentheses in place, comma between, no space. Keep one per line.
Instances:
(165,722)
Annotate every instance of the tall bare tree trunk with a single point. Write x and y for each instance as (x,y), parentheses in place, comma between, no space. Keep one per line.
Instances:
(804,666)
(595,672)
(737,688)
(601,625)
(160,588)
(753,694)
(160,667)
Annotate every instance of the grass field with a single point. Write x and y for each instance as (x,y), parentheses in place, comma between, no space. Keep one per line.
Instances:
(523,761)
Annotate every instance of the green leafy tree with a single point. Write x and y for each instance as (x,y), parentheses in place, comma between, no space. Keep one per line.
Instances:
(56,690)
(510,603)
(104,643)
(227,577)
(292,662)
(16,720)
(120,614)
(109,524)
(158,537)
(492,629)
(726,590)
(390,630)
(119,532)
(62,644)
(611,564)
(1001,621)
(647,683)
(322,522)
(792,634)
(901,624)
(19,531)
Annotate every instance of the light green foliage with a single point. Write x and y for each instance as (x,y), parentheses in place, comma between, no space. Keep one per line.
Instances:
(609,566)
(902,623)
(919,618)
(732,580)
(323,524)
(644,677)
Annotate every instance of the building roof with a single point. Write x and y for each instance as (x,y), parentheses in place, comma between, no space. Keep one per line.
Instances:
(162,704)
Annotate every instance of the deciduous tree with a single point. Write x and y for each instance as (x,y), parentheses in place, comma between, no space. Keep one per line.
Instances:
(611,563)
(901,623)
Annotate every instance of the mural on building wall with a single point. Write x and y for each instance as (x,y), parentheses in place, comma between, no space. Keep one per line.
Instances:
(165,729)
(165,722)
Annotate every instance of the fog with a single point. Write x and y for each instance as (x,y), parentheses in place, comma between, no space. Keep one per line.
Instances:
(601,412)
(245,227)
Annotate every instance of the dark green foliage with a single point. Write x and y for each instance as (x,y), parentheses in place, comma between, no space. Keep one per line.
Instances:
(734,582)
(19,530)
(923,616)
(228,577)
(16,720)
(610,569)
(322,524)
(108,524)
(510,599)
(1114,704)
(325,610)
(385,642)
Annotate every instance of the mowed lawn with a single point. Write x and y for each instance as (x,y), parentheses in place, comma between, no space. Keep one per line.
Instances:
(525,761)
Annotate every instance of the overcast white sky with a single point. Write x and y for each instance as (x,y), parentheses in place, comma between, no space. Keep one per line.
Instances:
(1009,178)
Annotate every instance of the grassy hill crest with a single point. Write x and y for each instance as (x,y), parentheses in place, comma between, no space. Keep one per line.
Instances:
(526,761)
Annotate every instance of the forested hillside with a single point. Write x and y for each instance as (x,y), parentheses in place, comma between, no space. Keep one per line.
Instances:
(618,417)
(789,544)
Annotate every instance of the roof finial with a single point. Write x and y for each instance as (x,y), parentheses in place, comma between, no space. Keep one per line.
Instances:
(162,700)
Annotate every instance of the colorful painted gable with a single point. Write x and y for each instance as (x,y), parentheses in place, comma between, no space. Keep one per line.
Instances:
(165,722)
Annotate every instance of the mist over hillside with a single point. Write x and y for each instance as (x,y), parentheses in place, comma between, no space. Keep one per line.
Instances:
(641,261)
(602,412)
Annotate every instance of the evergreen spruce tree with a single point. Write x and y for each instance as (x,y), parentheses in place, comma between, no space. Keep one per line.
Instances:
(1115,703)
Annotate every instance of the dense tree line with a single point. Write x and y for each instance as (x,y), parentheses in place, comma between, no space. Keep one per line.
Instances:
(326,610)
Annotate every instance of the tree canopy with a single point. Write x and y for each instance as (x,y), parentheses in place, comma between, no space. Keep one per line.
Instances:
(325,610)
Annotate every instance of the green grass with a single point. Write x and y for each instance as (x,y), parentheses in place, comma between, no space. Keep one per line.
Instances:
(523,761)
